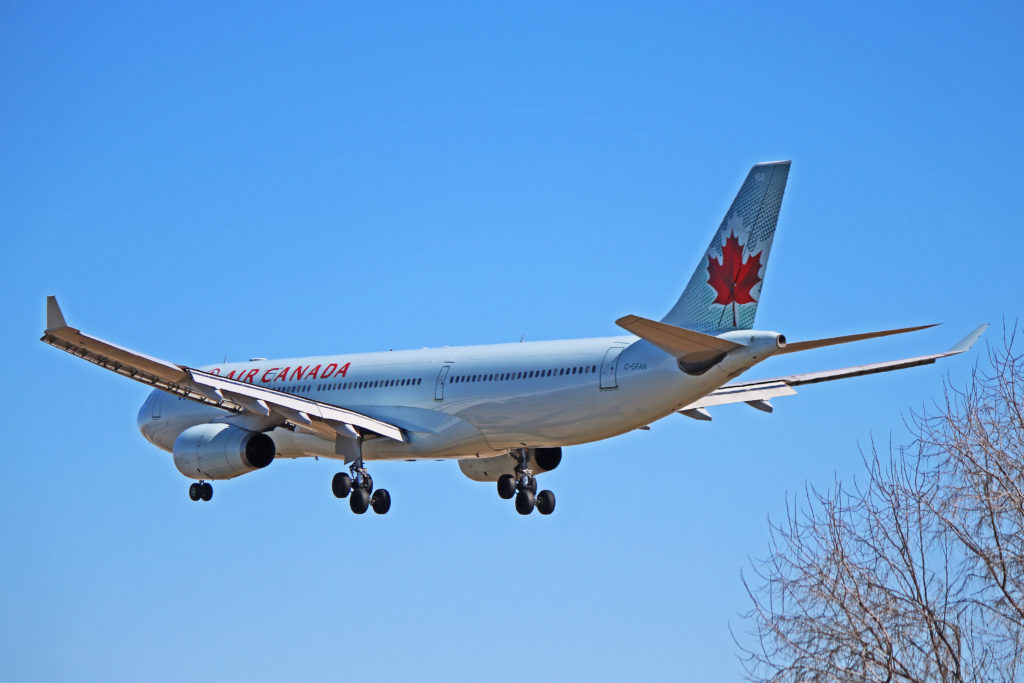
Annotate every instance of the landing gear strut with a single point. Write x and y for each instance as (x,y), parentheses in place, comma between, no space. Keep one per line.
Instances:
(359,489)
(523,487)
(200,490)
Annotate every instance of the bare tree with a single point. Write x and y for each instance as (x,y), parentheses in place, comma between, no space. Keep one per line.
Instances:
(917,572)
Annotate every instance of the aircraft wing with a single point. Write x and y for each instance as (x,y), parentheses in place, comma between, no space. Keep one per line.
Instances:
(756,393)
(281,408)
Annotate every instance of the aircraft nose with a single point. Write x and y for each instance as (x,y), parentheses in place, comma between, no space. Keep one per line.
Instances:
(148,415)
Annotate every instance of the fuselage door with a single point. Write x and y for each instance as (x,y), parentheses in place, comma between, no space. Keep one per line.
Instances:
(442,379)
(610,367)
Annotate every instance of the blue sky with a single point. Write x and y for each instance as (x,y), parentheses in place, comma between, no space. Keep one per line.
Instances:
(203,182)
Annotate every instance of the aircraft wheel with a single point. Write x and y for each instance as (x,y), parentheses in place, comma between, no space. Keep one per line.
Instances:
(507,486)
(341,485)
(205,491)
(545,502)
(525,502)
(359,501)
(368,483)
(381,501)
(193,491)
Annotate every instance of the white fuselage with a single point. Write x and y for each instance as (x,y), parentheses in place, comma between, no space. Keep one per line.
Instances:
(472,400)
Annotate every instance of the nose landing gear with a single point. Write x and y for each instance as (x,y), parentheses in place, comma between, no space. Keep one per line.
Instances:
(200,490)
(523,487)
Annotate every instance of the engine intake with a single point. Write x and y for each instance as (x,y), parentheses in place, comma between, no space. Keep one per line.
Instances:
(547,459)
(221,451)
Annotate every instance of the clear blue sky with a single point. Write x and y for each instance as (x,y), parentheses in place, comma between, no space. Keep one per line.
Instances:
(201,182)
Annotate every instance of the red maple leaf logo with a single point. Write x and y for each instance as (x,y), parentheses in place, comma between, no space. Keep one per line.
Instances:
(733,278)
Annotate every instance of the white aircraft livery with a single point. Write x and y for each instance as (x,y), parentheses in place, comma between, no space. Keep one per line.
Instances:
(504,411)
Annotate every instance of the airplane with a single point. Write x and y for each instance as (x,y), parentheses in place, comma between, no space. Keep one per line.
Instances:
(503,411)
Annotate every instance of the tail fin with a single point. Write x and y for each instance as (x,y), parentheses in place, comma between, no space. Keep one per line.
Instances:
(723,292)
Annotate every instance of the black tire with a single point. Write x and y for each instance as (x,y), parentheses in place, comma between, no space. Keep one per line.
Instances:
(205,491)
(507,486)
(359,501)
(525,502)
(193,491)
(341,485)
(381,501)
(533,486)
(545,502)
(368,483)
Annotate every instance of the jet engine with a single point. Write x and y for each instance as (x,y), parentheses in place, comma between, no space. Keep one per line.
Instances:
(221,451)
(546,459)
(489,469)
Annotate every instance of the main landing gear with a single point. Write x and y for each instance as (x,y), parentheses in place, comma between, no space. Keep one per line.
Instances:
(523,487)
(359,489)
(200,490)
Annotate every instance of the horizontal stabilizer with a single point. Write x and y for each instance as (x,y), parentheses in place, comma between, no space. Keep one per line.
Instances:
(694,347)
(754,391)
(793,347)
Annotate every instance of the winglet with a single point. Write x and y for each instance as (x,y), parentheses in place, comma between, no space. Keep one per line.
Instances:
(54,318)
(967,342)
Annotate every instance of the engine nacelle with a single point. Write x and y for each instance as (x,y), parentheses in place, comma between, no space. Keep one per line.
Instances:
(221,451)
(489,469)
(546,459)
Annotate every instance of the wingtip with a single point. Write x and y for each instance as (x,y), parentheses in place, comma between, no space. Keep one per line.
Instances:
(54,316)
(967,342)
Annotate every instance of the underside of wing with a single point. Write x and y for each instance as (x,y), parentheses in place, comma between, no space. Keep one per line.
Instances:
(757,392)
(279,408)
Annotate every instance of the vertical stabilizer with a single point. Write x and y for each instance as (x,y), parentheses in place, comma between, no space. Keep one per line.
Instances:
(723,292)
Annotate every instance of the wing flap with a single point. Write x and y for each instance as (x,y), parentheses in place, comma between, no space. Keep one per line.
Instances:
(111,356)
(290,404)
(203,387)
(737,394)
